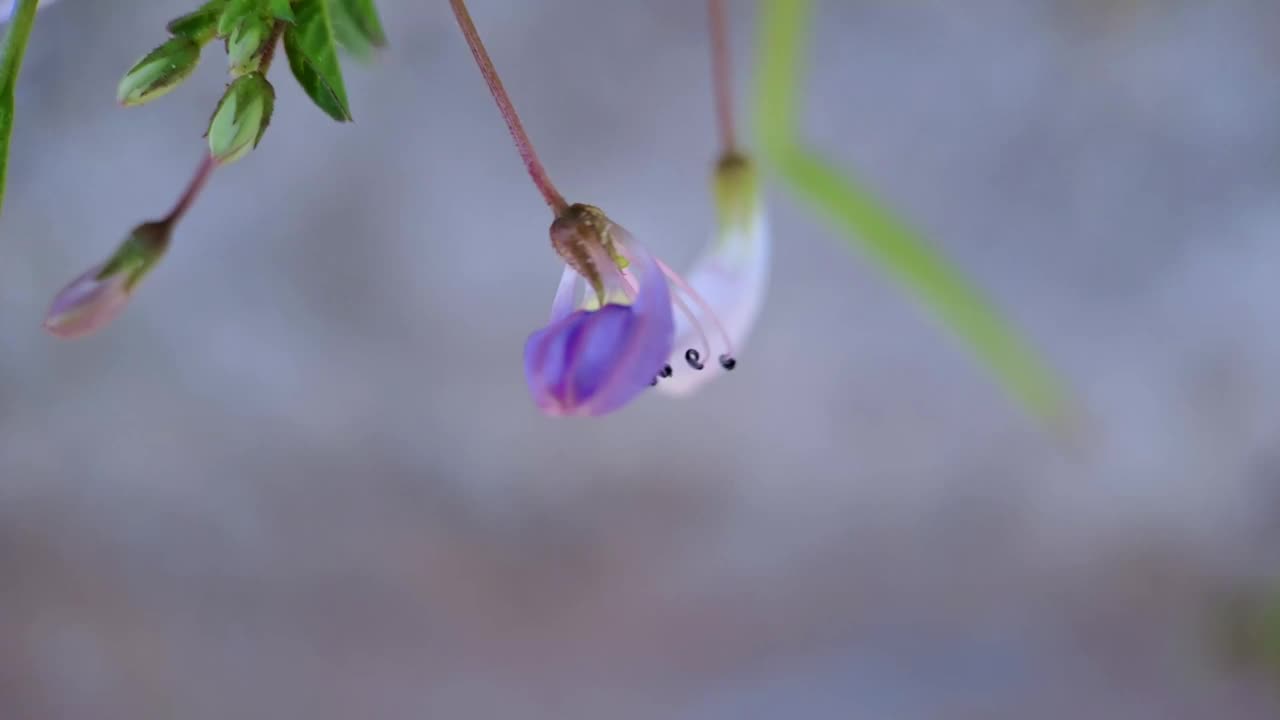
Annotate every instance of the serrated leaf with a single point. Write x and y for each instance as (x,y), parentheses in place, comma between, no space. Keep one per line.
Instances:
(362,17)
(235,12)
(313,58)
(348,35)
(281,10)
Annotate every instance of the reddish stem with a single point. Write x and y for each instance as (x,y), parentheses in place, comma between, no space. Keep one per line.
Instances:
(189,195)
(722,75)
(531,163)
(269,50)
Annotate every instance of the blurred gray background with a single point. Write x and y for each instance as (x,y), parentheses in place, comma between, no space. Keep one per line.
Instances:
(301,476)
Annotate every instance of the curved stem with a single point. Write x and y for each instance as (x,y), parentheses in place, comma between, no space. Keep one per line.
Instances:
(15,46)
(537,173)
(194,187)
(722,76)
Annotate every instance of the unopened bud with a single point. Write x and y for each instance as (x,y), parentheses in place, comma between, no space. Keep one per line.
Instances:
(241,118)
(200,25)
(91,301)
(162,70)
(246,44)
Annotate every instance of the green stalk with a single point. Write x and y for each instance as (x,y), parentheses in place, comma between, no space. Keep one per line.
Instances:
(871,227)
(15,46)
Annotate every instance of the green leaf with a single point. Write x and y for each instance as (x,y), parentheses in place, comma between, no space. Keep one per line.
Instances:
(313,57)
(281,10)
(15,46)
(357,25)
(870,226)
(236,12)
(200,25)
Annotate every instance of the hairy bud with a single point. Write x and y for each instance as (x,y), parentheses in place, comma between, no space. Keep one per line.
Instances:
(241,118)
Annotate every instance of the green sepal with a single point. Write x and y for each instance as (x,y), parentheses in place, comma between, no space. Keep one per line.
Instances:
(200,25)
(247,44)
(241,118)
(281,10)
(162,70)
(236,12)
(736,186)
(138,253)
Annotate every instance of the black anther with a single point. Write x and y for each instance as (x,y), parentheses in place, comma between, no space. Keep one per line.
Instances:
(694,359)
(728,362)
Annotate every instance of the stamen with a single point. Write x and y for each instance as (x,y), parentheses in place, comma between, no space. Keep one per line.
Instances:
(692,357)
(728,362)
(710,314)
(693,323)
(666,371)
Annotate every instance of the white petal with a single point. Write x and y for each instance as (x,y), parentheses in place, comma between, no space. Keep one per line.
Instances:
(733,278)
(566,294)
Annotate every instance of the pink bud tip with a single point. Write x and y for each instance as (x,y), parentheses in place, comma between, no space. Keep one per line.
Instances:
(87,305)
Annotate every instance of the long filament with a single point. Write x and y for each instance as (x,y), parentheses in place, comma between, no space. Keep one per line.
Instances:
(702,304)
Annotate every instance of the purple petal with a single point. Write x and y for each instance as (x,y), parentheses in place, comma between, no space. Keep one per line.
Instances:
(594,362)
(87,304)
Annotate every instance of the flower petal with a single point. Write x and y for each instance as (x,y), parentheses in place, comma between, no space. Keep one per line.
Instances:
(592,362)
(649,339)
(87,304)
(733,279)
(566,294)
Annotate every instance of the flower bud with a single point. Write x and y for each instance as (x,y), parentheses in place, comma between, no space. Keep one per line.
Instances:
(93,300)
(241,118)
(246,44)
(160,71)
(200,25)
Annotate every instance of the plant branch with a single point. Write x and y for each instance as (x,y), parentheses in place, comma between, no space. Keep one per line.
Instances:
(197,183)
(537,173)
(722,76)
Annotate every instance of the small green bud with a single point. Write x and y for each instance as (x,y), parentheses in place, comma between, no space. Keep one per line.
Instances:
(246,44)
(160,71)
(241,119)
(200,25)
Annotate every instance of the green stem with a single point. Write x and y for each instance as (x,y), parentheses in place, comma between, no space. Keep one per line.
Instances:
(15,46)
(870,226)
(782,35)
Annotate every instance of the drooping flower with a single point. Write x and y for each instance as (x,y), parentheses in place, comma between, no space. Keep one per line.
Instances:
(611,327)
(728,283)
(95,298)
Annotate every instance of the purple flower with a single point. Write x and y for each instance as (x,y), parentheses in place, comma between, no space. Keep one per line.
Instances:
(611,327)
(91,301)
(88,303)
